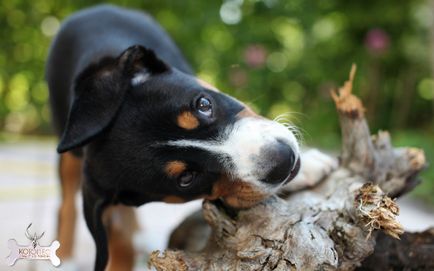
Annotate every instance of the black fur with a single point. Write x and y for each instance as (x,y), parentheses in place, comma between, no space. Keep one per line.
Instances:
(122,128)
(100,91)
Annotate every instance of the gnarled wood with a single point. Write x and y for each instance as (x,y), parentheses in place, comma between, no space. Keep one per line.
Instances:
(413,252)
(326,226)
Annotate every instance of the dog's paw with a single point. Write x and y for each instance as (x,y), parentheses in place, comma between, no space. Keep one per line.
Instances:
(315,166)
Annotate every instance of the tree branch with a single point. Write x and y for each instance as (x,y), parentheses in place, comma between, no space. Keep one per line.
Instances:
(328,226)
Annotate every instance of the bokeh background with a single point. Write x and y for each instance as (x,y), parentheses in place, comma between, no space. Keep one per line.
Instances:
(277,55)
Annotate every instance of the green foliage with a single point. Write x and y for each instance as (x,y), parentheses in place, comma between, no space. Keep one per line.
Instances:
(278,56)
(425,142)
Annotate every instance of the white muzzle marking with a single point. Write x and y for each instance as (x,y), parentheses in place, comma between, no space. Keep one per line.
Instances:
(242,143)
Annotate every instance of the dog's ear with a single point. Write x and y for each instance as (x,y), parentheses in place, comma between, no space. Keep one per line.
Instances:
(100,90)
(139,62)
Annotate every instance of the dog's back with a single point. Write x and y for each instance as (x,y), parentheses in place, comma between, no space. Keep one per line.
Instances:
(92,34)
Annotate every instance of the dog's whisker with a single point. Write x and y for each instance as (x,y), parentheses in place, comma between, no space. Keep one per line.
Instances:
(286,116)
(290,116)
(298,132)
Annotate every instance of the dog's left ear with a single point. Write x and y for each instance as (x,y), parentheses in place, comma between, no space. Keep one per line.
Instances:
(100,90)
(139,63)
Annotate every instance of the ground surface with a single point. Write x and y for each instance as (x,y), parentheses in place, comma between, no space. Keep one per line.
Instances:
(29,194)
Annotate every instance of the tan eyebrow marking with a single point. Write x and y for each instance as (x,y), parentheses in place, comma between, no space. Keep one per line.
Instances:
(206,85)
(247,112)
(187,120)
(175,168)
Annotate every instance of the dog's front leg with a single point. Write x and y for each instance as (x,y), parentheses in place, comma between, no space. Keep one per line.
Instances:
(121,224)
(70,168)
(94,206)
(315,166)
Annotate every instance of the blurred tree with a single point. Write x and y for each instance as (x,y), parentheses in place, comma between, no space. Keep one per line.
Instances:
(279,56)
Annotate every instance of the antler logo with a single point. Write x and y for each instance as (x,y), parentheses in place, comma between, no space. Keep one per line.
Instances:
(33,251)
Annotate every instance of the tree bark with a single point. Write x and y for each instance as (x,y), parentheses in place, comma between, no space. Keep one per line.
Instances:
(326,225)
(413,252)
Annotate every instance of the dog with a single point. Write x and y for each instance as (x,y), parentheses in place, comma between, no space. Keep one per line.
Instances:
(137,126)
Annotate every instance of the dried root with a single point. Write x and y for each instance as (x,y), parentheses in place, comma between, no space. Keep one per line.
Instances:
(378,211)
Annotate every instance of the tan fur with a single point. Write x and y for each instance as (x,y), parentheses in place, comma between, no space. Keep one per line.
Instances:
(247,112)
(236,193)
(187,120)
(173,199)
(175,168)
(207,85)
(70,177)
(121,224)
(120,221)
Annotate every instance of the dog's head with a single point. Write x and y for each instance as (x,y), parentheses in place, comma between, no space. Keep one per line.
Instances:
(155,133)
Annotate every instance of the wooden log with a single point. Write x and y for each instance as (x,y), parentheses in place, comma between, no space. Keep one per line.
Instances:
(414,251)
(328,225)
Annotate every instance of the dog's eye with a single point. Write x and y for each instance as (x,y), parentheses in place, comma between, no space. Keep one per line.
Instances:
(186,179)
(204,106)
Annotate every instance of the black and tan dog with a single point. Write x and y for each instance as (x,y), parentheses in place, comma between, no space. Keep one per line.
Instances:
(139,127)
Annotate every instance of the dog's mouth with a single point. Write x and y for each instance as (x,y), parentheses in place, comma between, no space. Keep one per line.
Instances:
(229,210)
(293,172)
(240,195)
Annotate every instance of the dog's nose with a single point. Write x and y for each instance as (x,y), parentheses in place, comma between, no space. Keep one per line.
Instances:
(282,158)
